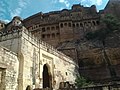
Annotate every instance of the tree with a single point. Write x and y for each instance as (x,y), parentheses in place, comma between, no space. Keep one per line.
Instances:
(109,25)
(80,81)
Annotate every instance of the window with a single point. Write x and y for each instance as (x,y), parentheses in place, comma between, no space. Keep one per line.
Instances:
(48,28)
(73,25)
(52,28)
(77,25)
(48,35)
(61,25)
(97,22)
(65,24)
(93,22)
(57,33)
(53,35)
(43,29)
(43,36)
(69,24)
(66,73)
(2,25)
(81,25)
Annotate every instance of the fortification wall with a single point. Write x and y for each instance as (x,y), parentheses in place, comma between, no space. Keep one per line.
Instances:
(8,69)
(65,25)
(39,53)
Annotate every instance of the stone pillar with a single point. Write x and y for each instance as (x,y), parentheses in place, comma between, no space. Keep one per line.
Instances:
(20,75)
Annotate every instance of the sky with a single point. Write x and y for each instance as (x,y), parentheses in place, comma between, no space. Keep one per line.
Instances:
(26,8)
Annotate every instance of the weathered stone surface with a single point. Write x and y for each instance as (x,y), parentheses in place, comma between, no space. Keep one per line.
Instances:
(65,25)
(9,69)
(25,66)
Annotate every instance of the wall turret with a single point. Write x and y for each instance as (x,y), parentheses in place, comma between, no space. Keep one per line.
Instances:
(2,25)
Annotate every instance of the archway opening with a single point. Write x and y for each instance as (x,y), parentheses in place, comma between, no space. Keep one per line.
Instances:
(46,77)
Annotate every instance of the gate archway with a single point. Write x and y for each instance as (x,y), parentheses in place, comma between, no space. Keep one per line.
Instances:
(47,78)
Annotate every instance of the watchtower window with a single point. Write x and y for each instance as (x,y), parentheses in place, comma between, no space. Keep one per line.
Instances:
(48,28)
(43,36)
(52,28)
(97,22)
(73,25)
(77,25)
(48,35)
(43,29)
(57,34)
(69,24)
(65,24)
(93,22)
(61,25)
(2,25)
(66,73)
(53,35)
(81,25)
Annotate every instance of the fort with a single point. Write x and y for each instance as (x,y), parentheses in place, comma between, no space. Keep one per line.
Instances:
(26,61)
(52,47)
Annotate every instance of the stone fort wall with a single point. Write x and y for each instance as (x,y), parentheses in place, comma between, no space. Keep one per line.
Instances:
(65,25)
(8,69)
(33,54)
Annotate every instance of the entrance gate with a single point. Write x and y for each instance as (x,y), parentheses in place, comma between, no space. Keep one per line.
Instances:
(47,79)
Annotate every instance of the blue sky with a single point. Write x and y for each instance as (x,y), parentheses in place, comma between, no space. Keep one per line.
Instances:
(25,8)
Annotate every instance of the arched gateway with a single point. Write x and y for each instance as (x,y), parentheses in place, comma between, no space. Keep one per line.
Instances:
(47,78)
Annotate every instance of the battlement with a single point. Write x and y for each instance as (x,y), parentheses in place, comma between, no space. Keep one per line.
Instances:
(77,12)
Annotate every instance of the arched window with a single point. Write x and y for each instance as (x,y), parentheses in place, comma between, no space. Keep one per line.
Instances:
(53,35)
(43,36)
(77,25)
(73,25)
(97,22)
(43,29)
(94,23)
(81,25)
(48,28)
(65,24)
(57,34)
(61,25)
(52,28)
(48,35)
(69,24)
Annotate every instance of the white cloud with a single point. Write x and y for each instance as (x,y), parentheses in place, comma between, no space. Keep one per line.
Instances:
(99,2)
(21,5)
(66,2)
(96,2)
(16,12)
